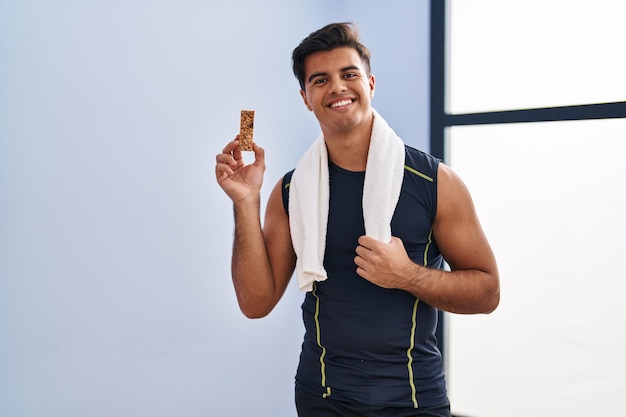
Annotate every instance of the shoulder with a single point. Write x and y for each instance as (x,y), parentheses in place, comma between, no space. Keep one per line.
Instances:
(448,177)
(454,196)
(421,164)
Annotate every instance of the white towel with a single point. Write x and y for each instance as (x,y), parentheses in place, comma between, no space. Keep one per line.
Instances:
(310,190)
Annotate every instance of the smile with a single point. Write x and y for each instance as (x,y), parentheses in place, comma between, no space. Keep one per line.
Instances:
(341,103)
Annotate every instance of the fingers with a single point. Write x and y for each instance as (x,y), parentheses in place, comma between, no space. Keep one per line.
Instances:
(367,242)
(259,155)
(371,243)
(232,149)
(227,160)
(363,253)
(231,159)
(222,171)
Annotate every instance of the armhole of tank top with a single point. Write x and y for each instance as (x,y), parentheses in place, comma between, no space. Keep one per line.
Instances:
(285,190)
(436,163)
(433,163)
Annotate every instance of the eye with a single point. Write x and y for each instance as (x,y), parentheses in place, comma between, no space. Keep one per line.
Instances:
(319,81)
(350,75)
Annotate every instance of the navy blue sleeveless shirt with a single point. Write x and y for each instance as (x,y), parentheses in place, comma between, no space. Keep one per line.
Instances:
(365,343)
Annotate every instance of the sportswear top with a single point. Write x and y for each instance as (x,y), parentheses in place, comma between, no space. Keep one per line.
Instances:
(362,342)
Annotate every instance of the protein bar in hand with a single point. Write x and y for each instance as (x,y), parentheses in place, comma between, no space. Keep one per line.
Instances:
(246,130)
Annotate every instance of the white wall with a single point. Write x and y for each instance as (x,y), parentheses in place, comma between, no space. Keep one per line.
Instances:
(115,293)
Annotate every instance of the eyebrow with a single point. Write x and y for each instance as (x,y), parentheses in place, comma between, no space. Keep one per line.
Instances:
(322,74)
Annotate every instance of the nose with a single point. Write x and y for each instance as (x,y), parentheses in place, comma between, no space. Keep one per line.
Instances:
(337,85)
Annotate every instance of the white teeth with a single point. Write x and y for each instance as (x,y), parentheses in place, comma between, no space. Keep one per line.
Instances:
(341,103)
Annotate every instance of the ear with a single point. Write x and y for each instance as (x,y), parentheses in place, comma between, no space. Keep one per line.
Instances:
(306,102)
(372,86)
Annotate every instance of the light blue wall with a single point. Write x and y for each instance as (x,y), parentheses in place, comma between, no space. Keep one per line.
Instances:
(115,292)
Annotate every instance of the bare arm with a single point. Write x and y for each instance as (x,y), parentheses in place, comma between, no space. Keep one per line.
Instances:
(473,284)
(263,259)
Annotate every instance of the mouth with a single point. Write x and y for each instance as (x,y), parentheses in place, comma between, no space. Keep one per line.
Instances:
(341,103)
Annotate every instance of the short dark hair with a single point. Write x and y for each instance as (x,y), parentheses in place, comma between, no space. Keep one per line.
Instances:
(334,35)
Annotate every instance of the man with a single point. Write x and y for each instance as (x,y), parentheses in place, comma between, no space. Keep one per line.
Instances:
(373,283)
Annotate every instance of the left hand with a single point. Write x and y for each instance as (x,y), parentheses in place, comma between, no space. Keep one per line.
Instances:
(384,264)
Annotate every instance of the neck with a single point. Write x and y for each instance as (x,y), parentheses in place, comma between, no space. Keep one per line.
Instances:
(349,149)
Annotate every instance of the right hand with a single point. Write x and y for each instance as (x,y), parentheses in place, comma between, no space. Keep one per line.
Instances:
(237,179)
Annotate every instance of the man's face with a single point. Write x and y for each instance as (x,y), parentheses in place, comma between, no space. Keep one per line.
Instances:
(338,89)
